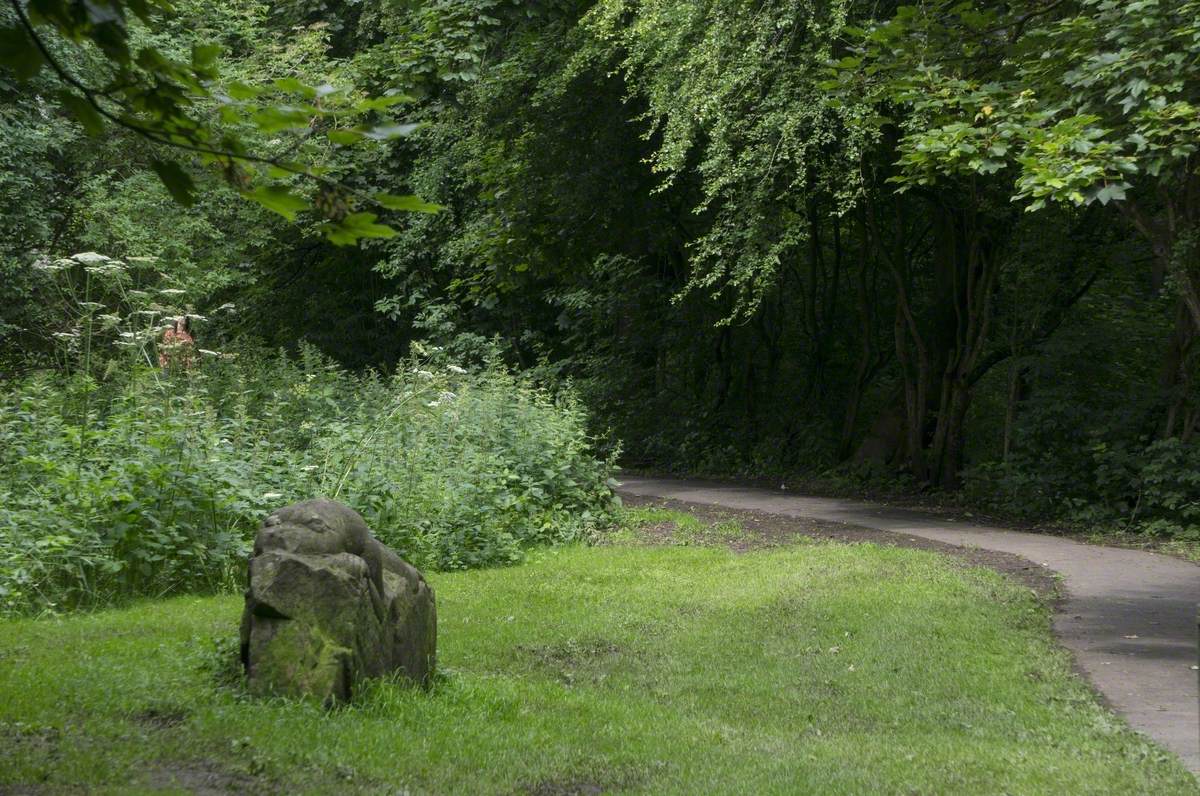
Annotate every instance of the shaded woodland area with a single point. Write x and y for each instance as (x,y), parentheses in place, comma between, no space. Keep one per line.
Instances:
(948,244)
(317,309)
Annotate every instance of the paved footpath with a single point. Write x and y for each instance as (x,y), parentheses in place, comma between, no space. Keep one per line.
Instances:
(1128,616)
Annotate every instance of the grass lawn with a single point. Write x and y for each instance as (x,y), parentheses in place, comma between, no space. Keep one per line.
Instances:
(813,668)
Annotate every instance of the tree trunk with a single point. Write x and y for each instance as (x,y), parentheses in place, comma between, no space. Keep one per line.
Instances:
(1175,373)
(974,270)
(866,367)
(1018,387)
(1175,242)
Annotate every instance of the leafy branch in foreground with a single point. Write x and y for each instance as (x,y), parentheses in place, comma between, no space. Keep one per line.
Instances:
(171,102)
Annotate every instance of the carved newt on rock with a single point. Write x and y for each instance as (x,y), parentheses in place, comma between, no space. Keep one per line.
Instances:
(328,603)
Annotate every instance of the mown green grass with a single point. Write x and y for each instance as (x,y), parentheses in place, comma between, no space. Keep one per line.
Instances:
(809,669)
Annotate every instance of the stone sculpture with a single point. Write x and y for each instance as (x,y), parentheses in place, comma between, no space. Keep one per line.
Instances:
(328,604)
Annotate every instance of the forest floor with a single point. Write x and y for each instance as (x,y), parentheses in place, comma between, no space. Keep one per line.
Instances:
(688,653)
(1128,616)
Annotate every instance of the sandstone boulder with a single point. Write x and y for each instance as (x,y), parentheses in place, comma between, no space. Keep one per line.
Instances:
(328,605)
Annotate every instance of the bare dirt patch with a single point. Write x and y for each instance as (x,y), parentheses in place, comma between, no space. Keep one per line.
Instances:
(662,532)
(29,738)
(583,785)
(564,788)
(575,660)
(32,743)
(162,716)
(572,652)
(953,507)
(203,778)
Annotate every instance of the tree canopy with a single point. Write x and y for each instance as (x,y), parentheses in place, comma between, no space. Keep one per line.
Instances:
(952,243)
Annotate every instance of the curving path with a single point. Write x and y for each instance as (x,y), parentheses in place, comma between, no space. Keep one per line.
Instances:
(1129,617)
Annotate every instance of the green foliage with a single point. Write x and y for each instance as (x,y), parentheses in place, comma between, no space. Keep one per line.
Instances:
(1081,102)
(149,484)
(484,469)
(764,239)
(174,96)
(1151,489)
(733,99)
(144,500)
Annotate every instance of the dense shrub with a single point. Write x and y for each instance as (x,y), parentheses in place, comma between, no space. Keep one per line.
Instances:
(1151,488)
(148,484)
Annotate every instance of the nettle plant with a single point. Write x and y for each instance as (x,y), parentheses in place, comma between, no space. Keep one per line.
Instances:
(108,487)
(149,482)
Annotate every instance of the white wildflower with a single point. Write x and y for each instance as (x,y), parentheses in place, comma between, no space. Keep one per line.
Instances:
(272,495)
(171,291)
(208,353)
(104,269)
(457,369)
(424,374)
(89,258)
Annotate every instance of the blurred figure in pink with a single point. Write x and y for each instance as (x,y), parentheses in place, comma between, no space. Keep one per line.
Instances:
(177,349)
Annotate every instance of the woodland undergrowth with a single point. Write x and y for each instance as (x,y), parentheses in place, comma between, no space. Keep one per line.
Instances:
(120,478)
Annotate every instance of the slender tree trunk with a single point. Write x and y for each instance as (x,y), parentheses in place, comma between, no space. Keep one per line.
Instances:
(914,368)
(1174,379)
(974,272)
(912,353)
(1017,389)
(864,371)
(724,356)
(1175,242)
